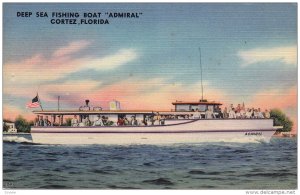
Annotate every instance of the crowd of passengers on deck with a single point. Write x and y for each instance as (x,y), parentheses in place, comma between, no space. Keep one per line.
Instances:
(239,112)
(156,119)
(122,121)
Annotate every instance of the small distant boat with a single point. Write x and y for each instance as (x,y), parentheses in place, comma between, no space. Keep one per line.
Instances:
(187,123)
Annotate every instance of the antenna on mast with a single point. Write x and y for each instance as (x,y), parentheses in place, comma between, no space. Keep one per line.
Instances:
(58,98)
(201,76)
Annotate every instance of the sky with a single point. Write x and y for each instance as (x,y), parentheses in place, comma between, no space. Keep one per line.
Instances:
(248,54)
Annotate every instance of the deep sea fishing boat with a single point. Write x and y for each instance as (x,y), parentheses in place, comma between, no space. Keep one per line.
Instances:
(189,122)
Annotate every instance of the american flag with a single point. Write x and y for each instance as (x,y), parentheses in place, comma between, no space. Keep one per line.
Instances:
(34,103)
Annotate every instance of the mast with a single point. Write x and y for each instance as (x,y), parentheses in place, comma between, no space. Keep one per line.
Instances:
(201,76)
(58,97)
(39,101)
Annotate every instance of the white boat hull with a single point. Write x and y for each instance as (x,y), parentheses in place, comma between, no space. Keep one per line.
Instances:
(174,132)
(149,138)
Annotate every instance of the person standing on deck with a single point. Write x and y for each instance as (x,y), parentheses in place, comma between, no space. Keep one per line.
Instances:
(126,121)
(98,121)
(208,114)
(41,121)
(197,114)
(255,113)
(157,118)
(260,114)
(220,113)
(232,113)
(46,122)
(238,108)
(248,113)
(243,113)
(225,113)
(74,121)
(87,121)
(267,114)
(36,123)
(162,120)
(121,121)
(133,122)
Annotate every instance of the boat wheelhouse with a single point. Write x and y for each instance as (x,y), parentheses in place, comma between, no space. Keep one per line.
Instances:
(202,106)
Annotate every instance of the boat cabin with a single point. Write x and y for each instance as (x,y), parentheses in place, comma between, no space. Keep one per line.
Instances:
(114,114)
(202,106)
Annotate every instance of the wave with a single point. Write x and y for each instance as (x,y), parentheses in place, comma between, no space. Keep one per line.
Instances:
(159,181)
(196,172)
(15,139)
(270,174)
(54,186)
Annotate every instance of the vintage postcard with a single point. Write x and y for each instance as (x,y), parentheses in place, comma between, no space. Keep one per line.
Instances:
(150,96)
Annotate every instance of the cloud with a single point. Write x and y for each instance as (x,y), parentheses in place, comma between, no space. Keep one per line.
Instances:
(69,88)
(71,48)
(287,55)
(112,61)
(48,91)
(38,69)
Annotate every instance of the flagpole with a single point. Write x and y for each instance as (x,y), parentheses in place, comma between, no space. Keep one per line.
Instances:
(40,101)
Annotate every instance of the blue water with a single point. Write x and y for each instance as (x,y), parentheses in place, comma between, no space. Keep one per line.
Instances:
(199,166)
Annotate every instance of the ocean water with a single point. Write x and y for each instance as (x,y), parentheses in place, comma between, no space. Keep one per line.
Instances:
(196,166)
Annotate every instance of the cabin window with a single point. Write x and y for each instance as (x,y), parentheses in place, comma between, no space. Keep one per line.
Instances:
(194,107)
(202,108)
(182,107)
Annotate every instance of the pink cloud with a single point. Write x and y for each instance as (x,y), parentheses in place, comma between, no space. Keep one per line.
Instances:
(276,98)
(38,68)
(12,112)
(71,48)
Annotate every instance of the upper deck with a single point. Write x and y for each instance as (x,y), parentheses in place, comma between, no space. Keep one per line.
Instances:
(181,107)
(71,112)
(109,112)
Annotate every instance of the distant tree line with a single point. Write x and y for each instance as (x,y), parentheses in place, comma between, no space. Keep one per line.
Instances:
(21,124)
(280,119)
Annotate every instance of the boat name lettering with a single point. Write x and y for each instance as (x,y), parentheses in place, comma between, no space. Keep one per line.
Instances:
(254,133)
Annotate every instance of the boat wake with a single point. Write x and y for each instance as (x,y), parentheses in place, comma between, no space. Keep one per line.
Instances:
(15,139)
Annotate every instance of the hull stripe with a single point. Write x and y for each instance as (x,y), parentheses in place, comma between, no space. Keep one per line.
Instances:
(125,132)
